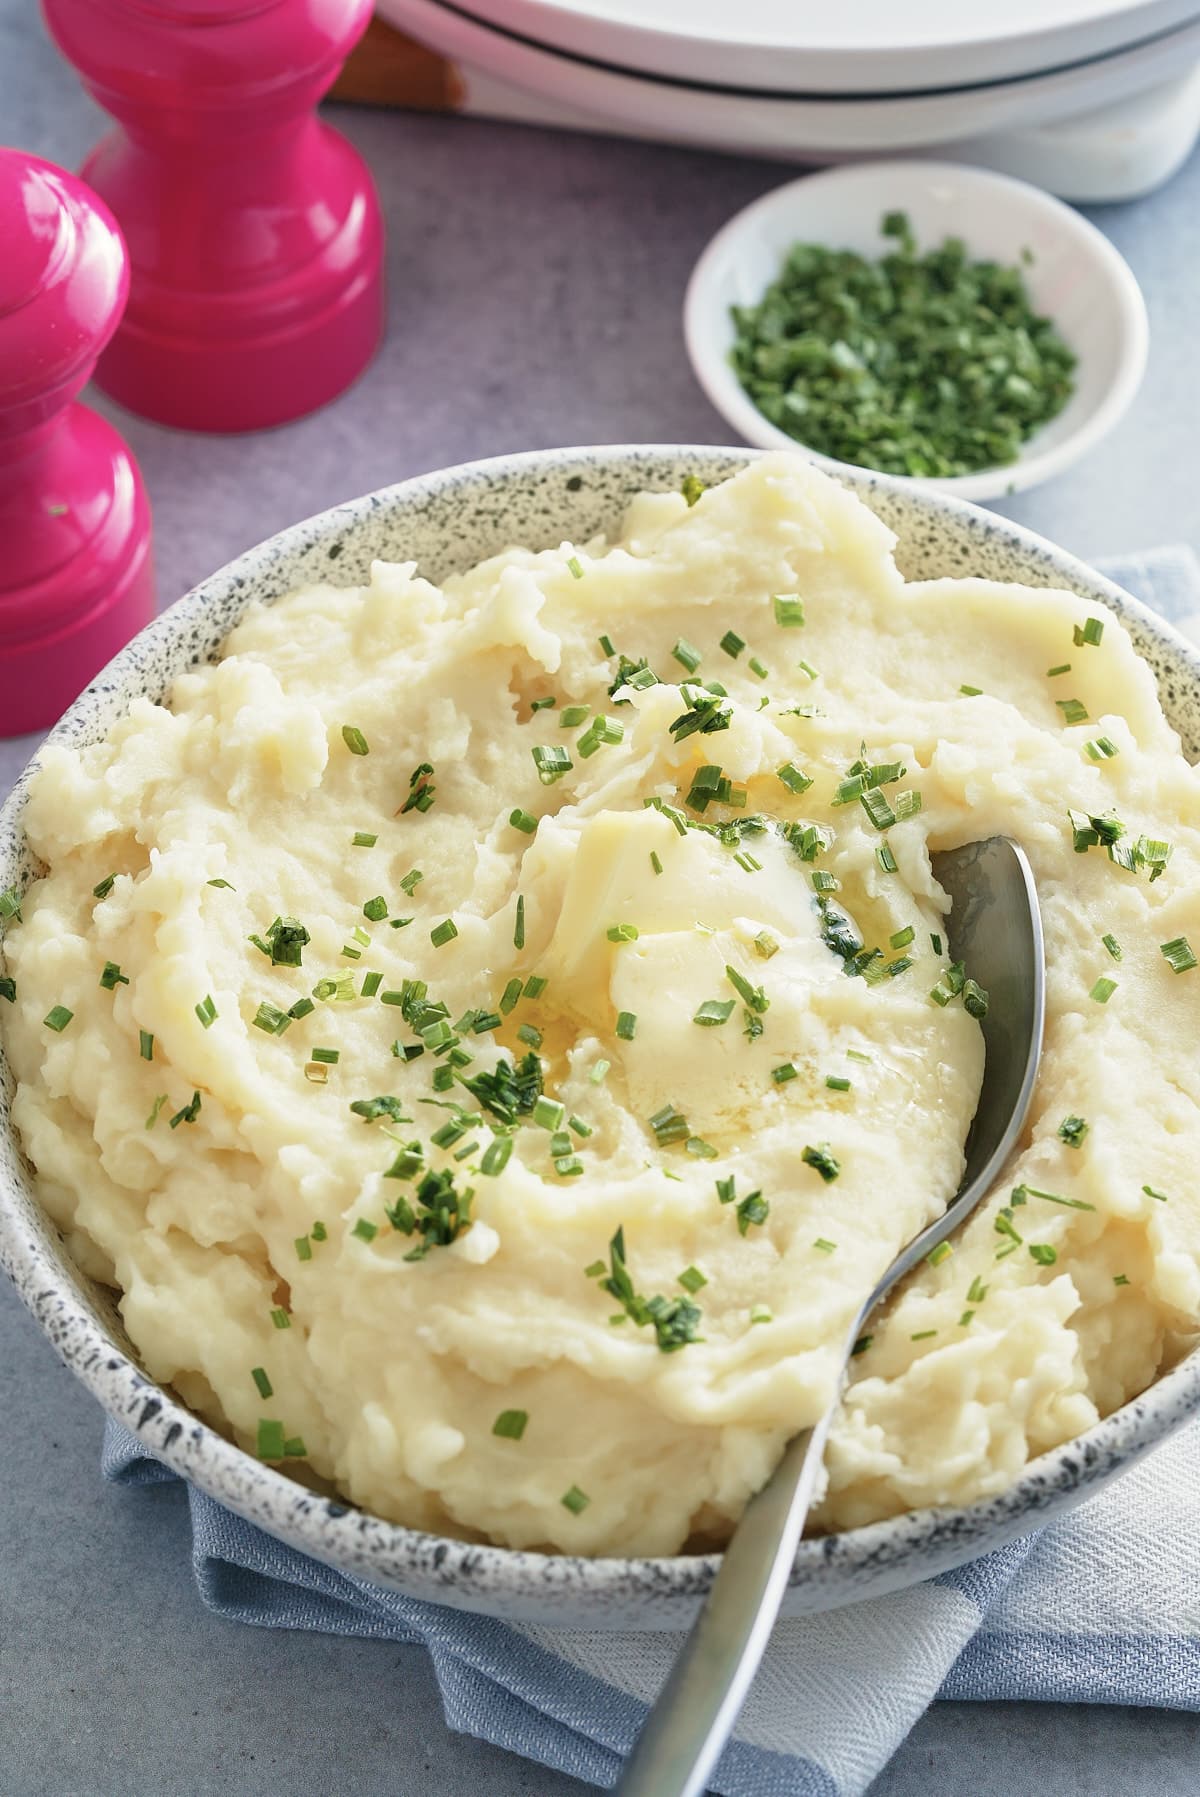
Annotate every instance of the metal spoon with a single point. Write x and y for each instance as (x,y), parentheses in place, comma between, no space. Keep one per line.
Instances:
(995,927)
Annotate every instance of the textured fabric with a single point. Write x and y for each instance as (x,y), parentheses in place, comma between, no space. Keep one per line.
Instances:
(1097,1608)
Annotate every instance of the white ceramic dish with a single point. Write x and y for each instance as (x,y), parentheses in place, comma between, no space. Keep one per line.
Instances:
(445,521)
(800,125)
(1076,276)
(873,46)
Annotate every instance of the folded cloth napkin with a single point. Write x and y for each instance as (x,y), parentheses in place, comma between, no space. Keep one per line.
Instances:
(1101,1607)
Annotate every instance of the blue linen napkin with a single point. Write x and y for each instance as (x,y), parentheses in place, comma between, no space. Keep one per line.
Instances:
(1101,1607)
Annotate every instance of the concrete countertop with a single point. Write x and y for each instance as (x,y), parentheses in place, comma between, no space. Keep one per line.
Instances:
(535,286)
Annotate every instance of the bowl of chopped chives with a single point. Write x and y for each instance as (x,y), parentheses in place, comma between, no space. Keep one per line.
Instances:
(950,327)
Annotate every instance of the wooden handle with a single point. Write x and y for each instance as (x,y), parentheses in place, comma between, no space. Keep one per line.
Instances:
(385,68)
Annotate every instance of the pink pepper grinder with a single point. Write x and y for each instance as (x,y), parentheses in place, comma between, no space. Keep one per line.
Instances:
(75,574)
(254,230)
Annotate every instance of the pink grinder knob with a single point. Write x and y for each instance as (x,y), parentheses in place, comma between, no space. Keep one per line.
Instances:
(75,574)
(254,231)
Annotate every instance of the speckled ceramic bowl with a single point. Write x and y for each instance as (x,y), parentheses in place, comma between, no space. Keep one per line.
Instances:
(447,521)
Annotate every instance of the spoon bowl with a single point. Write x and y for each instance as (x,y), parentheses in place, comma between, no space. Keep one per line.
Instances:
(995,929)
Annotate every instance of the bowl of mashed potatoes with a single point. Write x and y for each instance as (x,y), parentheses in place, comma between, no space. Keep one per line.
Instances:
(477,1015)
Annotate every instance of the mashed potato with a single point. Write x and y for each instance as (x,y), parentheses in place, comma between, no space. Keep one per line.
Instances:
(493,1064)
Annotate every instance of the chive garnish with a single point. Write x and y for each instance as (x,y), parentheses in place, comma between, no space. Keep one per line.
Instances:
(686,654)
(206,1011)
(363,839)
(101,892)
(1043,1253)
(781,1075)
(825,1247)
(788,608)
(1103,990)
(1151,1193)
(942,1252)
(189,1113)
(1074,711)
(365,1230)
(1101,748)
(756,667)
(543,704)
(354,740)
(837,1082)
(280,1318)
(521,820)
(902,938)
(1113,946)
(1023,1192)
(762,1313)
(112,976)
(8,988)
(510,1424)
(823,1161)
(714,1011)
(626,1026)
(1072,1130)
(303,1248)
(1090,634)
(971,692)
(861,1345)
(259,1376)
(572,715)
(622,932)
(519,925)
(732,643)
(655,863)
(270,1439)
(576,567)
(551,761)
(146,1045)
(674,1320)
(1178,954)
(692,1280)
(375,909)
(574,1500)
(58,1018)
(793,778)
(1063,668)
(1120,1279)
(155,1108)
(887,861)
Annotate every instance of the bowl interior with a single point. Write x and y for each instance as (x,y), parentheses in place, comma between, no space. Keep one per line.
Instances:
(1072,272)
(448,521)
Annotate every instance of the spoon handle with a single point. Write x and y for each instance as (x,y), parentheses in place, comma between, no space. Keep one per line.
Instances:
(698,1706)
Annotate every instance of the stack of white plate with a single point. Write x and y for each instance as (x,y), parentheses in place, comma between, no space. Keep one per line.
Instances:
(1096,98)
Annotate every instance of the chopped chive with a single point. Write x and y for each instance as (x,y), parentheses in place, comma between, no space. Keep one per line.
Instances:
(259,1376)
(155,1108)
(824,881)
(1120,1279)
(365,1230)
(271,1019)
(326,1056)
(146,1045)
(270,1439)
(781,1075)
(280,1318)
(548,1113)
(188,1114)
(375,909)
(1103,990)
(1063,668)
(793,778)
(875,803)
(902,938)
(622,932)
(1043,1253)
(1178,954)
(510,1424)
(626,1025)
(1151,1193)
(856,1054)
(971,692)
(1072,1130)
(823,1161)
(1023,1192)
(1074,711)
(824,1247)
(444,932)
(294,1448)
(354,740)
(575,1501)
(1090,634)
(531,1037)
(669,1125)
(762,1313)
(806,667)
(101,892)
(543,704)
(576,567)
(206,1011)
(837,1082)
(521,820)
(58,1018)
(571,715)
(765,945)
(686,654)
(977,1291)
(363,839)
(732,643)
(861,1345)
(692,1280)
(551,761)
(496,1155)
(655,863)
(756,667)
(714,1011)
(370,984)
(1113,946)
(519,925)
(886,859)
(112,976)
(965,1318)
(597,1076)
(1101,748)
(303,1248)
(607,646)
(788,608)
(942,1252)
(923,1335)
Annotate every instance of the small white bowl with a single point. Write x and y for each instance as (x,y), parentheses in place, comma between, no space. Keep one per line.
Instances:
(1076,277)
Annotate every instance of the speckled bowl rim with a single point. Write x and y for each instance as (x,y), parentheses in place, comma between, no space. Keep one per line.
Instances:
(655,1592)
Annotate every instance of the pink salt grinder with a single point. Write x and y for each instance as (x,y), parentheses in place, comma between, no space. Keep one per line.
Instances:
(75,575)
(254,231)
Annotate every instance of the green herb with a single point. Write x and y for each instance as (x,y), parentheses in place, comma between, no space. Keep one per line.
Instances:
(788,609)
(112,976)
(354,740)
(189,1113)
(572,715)
(280,1318)
(923,1335)
(704,715)
(1102,991)
(259,1376)
(669,1125)
(1091,633)
(655,863)
(270,1439)
(714,1011)
(806,667)
(886,860)
(8,908)
(1063,668)
(626,1025)
(58,1018)
(971,692)
(674,1320)
(575,1500)
(1023,1192)
(732,643)
(510,1424)
(551,761)
(622,932)
(823,1161)
(1043,1253)
(1074,711)
(146,1045)
(837,1082)
(1101,748)
(285,942)
(686,654)
(793,778)
(1178,954)
(443,932)
(824,1247)
(155,1108)
(752,996)
(861,1345)
(1113,946)
(363,839)
(765,945)
(781,1075)
(1120,1279)
(496,1155)
(977,1291)
(576,567)
(691,487)
(753,1209)
(530,1036)
(206,1011)
(902,938)
(761,1313)
(756,667)
(1151,1193)
(1072,1130)
(930,364)
(942,1252)
(519,925)
(543,704)
(223,884)
(303,1248)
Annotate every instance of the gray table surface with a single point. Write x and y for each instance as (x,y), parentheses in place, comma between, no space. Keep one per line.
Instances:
(535,286)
